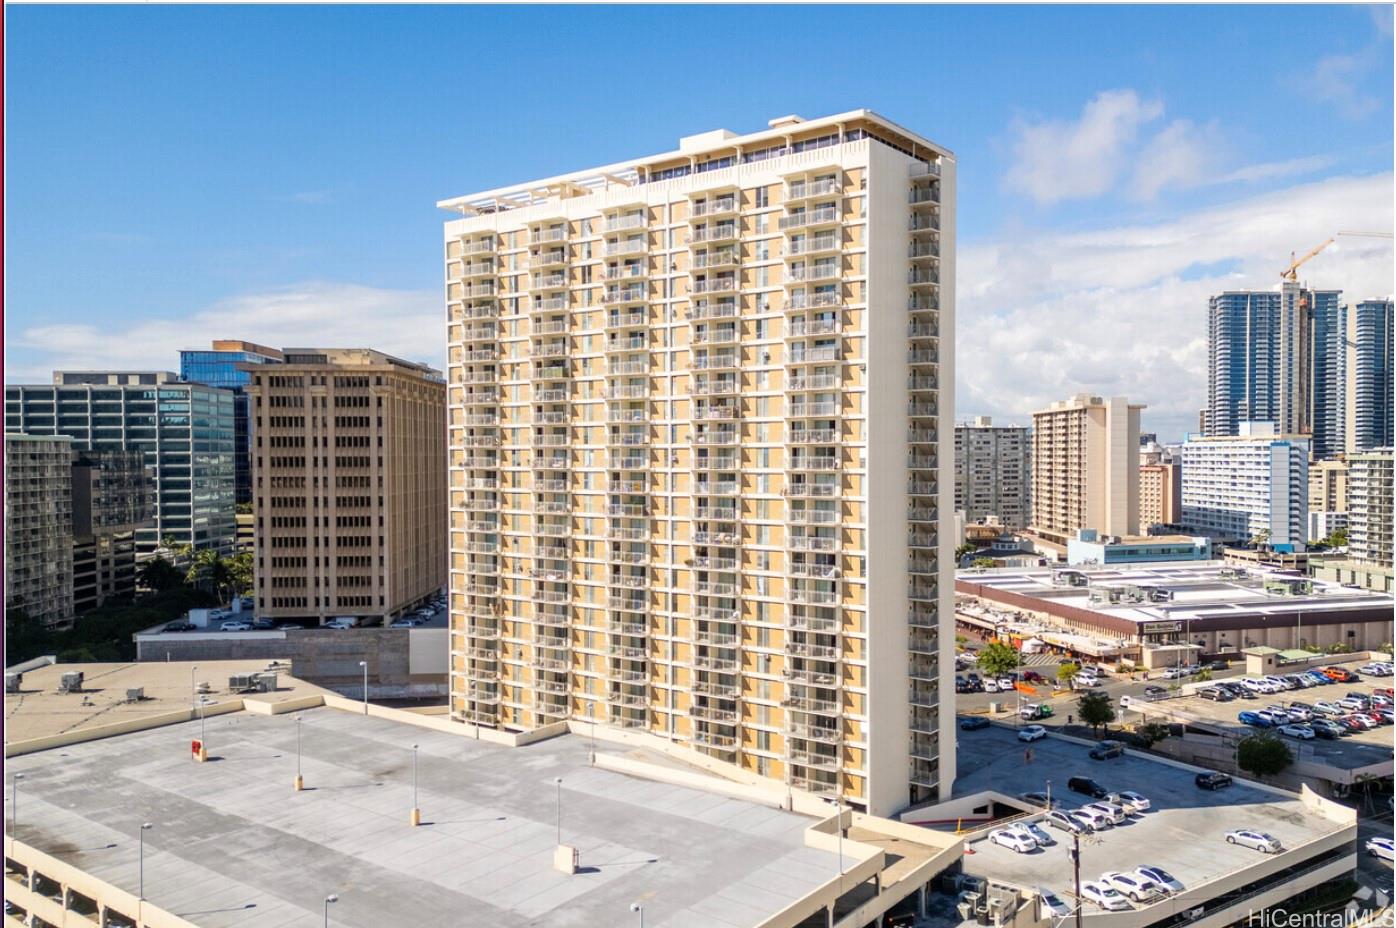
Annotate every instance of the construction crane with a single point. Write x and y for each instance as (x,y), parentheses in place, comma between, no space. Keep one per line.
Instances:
(1291,273)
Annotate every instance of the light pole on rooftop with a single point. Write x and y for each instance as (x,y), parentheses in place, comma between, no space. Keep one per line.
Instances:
(416,816)
(328,899)
(558,781)
(300,782)
(193,686)
(364,665)
(14,805)
(144,828)
(639,910)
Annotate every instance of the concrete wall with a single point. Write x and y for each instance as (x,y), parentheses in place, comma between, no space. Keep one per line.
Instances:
(402,663)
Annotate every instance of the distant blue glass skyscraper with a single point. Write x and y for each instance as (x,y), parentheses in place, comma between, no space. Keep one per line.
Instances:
(219,366)
(1370,379)
(1304,360)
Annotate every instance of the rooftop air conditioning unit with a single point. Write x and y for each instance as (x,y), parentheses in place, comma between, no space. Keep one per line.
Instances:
(135,694)
(239,682)
(13,681)
(70,682)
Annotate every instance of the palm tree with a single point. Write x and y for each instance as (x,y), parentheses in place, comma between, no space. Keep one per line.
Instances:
(159,574)
(212,571)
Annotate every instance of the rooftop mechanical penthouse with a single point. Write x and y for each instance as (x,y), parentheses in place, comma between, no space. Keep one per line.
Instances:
(674,383)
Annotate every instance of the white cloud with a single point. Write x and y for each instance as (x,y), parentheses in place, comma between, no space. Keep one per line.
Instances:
(1060,160)
(406,323)
(1122,311)
(1112,142)
(1183,154)
(1335,80)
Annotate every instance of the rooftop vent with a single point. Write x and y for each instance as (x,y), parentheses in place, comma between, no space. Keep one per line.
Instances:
(781,121)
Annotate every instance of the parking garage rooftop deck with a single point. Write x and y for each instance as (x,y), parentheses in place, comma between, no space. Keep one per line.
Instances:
(234,845)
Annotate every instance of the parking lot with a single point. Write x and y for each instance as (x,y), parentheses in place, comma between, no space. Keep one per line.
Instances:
(1350,751)
(1183,832)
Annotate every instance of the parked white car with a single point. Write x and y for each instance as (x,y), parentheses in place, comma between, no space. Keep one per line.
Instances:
(1132,801)
(1301,732)
(1105,896)
(1082,680)
(1093,817)
(1032,733)
(236,626)
(1175,673)
(1161,878)
(1384,848)
(1013,841)
(1136,887)
(1038,834)
(1116,814)
(1256,840)
(990,685)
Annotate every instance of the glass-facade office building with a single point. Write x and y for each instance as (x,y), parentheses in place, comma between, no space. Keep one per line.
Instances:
(185,430)
(221,366)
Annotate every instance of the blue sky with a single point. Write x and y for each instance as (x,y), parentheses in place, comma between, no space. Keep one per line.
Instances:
(176,174)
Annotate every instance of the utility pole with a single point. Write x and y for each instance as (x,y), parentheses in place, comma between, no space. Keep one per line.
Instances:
(1076,868)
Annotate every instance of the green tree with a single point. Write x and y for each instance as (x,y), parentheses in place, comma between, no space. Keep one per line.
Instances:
(1261,539)
(159,575)
(964,549)
(208,570)
(1338,648)
(244,509)
(1095,710)
(1203,675)
(1066,671)
(1151,733)
(997,659)
(1263,754)
(984,562)
(1338,538)
(25,636)
(240,572)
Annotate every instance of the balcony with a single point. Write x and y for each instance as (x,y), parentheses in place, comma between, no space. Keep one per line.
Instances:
(803,328)
(814,462)
(543,236)
(924,194)
(800,594)
(614,296)
(625,223)
(808,382)
(713,309)
(924,222)
(617,249)
(807,189)
(627,271)
(711,260)
(802,620)
(636,391)
(711,739)
(718,360)
(628,532)
(481,289)
(626,602)
(549,305)
(714,663)
(714,386)
(557,349)
(723,411)
(723,284)
(627,415)
(633,320)
(813,543)
(552,529)
(626,368)
(716,488)
(710,588)
(715,436)
(817,759)
(549,281)
(807,489)
(717,206)
(804,219)
(816,571)
(716,687)
(802,516)
(812,705)
(479,246)
(719,232)
(713,714)
(813,244)
(620,626)
(715,335)
(812,651)
(635,439)
(802,436)
(555,257)
(803,274)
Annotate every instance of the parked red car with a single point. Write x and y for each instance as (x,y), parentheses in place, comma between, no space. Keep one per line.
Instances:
(1340,674)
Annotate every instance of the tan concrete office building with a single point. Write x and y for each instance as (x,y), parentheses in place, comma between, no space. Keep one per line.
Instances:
(673,382)
(349,484)
(1085,470)
(993,472)
(1160,494)
(39,526)
(1328,486)
(1369,507)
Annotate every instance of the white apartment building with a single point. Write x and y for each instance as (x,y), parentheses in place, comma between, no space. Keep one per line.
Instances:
(993,472)
(700,413)
(1085,467)
(1369,507)
(1248,487)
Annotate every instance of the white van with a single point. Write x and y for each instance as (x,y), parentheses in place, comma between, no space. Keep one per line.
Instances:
(342,621)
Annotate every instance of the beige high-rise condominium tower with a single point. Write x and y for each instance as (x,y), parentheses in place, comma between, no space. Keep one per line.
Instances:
(1085,467)
(700,449)
(348,484)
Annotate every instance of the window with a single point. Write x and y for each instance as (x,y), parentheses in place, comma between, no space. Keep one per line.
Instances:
(762,198)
